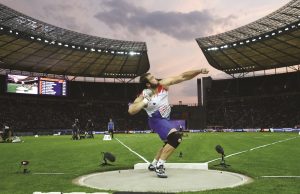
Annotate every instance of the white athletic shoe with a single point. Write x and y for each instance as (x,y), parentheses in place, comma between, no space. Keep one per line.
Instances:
(151,167)
(160,172)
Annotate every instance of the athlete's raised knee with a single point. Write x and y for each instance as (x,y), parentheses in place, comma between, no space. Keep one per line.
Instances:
(174,139)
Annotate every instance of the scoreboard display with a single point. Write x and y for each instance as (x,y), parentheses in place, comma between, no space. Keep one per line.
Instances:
(36,85)
(51,86)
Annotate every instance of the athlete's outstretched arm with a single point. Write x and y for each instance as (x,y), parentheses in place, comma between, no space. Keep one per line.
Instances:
(182,77)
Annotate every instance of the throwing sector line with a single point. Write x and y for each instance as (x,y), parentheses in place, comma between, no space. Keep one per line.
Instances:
(132,151)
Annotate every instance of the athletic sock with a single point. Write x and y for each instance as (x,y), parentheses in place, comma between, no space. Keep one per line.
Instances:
(154,162)
(160,162)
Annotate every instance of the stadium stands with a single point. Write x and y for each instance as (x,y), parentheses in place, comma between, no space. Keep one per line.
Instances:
(268,43)
(255,102)
(27,44)
(31,47)
(96,101)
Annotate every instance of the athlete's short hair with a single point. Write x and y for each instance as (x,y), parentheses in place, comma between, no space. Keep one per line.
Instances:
(144,80)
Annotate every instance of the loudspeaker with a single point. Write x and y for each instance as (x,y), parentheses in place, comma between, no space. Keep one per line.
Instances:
(219,149)
(108,156)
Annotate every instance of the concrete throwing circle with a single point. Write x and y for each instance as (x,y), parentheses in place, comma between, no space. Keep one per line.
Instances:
(179,180)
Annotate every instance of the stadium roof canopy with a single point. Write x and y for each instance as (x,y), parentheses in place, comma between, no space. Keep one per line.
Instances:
(268,43)
(27,44)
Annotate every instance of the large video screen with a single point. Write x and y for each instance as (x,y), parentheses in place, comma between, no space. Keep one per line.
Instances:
(22,84)
(36,85)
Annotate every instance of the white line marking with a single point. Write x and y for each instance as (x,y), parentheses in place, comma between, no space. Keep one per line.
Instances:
(262,146)
(49,173)
(133,151)
(212,160)
(227,156)
(280,176)
(235,153)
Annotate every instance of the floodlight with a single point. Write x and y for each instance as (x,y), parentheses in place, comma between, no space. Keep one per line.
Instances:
(133,53)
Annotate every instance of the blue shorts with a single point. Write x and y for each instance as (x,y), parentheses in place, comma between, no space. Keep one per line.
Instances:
(161,126)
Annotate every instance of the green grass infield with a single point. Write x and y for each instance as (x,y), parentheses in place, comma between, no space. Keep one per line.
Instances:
(71,159)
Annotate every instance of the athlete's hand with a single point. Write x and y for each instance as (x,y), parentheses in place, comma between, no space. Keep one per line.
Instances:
(204,71)
(147,93)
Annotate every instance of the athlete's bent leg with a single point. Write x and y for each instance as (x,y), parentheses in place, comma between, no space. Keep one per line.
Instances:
(173,141)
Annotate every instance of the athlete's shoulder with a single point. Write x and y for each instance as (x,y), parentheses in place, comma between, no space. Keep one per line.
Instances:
(162,88)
